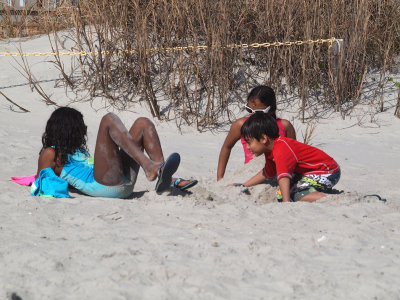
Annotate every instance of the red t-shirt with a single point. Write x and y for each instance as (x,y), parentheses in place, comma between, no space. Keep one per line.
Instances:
(289,156)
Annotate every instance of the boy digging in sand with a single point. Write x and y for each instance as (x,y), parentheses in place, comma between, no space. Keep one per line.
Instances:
(304,173)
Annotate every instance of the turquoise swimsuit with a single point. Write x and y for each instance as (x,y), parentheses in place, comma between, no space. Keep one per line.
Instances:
(78,172)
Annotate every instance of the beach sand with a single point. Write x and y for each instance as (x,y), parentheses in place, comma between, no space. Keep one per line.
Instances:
(212,242)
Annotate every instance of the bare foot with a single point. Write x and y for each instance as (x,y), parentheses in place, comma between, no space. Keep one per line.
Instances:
(151,170)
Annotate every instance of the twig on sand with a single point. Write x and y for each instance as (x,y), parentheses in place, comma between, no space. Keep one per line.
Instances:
(397,111)
(8,99)
(307,135)
(33,82)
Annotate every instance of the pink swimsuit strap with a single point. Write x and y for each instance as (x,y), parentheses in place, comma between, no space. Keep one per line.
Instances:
(282,131)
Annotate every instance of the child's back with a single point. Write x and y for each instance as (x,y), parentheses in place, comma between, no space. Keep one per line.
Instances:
(290,156)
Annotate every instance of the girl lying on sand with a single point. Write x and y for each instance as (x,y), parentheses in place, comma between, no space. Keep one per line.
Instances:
(118,155)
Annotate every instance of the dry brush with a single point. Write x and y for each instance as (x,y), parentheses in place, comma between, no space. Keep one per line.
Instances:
(200,86)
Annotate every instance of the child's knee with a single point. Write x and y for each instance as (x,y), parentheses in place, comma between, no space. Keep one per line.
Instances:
(144,122)
(109,117)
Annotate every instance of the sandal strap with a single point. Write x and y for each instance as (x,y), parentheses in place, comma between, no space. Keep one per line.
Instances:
(159,169)
(176,182)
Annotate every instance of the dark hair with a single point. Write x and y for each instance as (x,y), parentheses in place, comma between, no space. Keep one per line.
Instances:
(257,125)
(66,132)
(266,95)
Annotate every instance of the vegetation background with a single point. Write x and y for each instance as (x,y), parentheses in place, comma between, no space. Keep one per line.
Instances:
(128,61)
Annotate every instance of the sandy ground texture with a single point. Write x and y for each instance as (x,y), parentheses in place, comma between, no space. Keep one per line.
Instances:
(213,242)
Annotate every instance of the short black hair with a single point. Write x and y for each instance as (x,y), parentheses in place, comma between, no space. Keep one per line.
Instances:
(258,124)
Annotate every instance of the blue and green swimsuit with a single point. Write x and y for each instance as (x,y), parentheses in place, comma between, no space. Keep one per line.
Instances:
(78,172)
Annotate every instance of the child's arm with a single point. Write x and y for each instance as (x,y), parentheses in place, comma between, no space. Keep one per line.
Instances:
(46,160)
(256,179)
(290,132)
(284,185)
(230,141)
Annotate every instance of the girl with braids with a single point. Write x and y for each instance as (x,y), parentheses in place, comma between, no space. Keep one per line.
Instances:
(118,155)
(261,99)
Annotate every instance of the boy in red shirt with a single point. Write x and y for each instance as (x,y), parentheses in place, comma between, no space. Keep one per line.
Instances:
(289,160)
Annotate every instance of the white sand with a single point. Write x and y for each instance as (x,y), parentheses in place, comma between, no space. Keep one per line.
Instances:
(213,243)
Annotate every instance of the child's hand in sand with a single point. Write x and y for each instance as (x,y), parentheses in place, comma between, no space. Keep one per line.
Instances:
(236,184)
(243,189)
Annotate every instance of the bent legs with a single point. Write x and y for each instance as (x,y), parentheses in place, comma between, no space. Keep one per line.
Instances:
(119,152)
(145,136)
